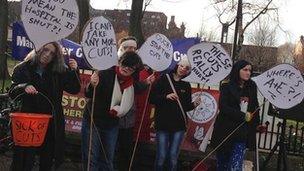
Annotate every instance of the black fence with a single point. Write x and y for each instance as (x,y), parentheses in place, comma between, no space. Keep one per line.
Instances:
(294,132)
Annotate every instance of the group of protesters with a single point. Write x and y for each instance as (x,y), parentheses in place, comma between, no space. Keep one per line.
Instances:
(111,105)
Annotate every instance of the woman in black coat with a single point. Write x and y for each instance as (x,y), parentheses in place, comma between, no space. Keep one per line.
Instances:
(44,72)
(170,124)
(238,100)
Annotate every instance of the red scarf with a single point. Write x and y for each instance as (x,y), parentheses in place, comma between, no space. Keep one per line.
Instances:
(124,81)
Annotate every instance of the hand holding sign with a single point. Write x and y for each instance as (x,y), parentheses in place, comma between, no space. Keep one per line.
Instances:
(282,85)
(157,52)
(99,44)
(210,63)
(49,20)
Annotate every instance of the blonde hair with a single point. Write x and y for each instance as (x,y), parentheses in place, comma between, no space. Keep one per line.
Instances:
(57,63)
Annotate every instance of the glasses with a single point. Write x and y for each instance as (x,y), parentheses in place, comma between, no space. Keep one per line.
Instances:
(130,69)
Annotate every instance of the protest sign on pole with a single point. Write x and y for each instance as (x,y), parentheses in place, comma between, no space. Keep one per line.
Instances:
(157,52)
(48,21)
(282,85)
(210,63)
(99,43)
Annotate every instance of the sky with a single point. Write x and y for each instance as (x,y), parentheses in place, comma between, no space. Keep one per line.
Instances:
(195,12)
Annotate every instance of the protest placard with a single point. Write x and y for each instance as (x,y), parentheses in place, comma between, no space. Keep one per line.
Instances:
(210,63)
(49,20)
(99,44)
(282,85)
(157,52)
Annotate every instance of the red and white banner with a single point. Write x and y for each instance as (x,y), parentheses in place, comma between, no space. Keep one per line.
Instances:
(73,106)
(200,120)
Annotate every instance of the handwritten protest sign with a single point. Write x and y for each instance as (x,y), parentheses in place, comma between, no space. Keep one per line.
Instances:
(49,20)
(210,63)
(29,129)
(157,52)
(99,44)
(282,85)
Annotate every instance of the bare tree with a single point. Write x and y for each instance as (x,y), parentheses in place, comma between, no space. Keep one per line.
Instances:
(299,54)
(250,11)
(263,34)
(84,16)
(137,12)
(286,53)
(207,35)
(3,38)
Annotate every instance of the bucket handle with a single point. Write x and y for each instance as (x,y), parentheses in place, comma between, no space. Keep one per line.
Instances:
(43,95)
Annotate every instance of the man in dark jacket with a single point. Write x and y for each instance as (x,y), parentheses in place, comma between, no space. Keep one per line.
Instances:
(45,73)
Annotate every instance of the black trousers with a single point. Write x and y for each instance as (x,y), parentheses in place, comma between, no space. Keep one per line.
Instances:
(24,157)
(125,148)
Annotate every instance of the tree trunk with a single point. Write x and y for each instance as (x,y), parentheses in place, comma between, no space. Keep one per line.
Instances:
(3,38)
(84,16)
(135,21)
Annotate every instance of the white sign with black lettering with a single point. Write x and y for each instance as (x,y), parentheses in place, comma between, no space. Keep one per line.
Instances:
(282,85)
(49,20)
(210,63)
(99,44)
(157,52)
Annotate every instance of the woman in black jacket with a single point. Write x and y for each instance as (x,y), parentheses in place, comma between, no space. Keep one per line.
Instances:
(113,99)
(44,72)
(169,120)
(238,100)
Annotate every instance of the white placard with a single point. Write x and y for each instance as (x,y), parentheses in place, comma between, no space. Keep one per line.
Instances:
(157,52)
(210,63)
(49,20)
(99,44)
(282,85)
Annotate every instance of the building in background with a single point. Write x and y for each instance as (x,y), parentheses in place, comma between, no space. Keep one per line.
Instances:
(152,22)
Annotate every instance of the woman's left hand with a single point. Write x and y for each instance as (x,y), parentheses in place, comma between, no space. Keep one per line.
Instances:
(73,64)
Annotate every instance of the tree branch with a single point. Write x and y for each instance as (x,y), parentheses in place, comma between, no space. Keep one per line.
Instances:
(263,11)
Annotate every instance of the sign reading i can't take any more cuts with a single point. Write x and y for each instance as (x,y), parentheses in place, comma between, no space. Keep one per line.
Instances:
(99,44)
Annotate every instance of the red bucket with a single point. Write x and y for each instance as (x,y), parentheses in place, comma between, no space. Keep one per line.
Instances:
(29,129)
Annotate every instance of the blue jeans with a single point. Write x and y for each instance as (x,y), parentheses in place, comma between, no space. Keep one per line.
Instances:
(168,143)
(103,146)
(231,160)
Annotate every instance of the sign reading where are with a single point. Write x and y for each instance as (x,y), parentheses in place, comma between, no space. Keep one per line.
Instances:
(282,85)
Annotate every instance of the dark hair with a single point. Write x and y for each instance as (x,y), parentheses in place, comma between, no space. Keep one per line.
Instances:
(57,63)
(132,60)
(235,72)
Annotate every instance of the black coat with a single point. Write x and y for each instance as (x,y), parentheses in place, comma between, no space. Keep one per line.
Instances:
(230,116)
(52,85)
(103,96)
(168,115)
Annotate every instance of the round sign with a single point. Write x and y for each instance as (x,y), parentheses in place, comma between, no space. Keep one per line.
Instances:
(206,110)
